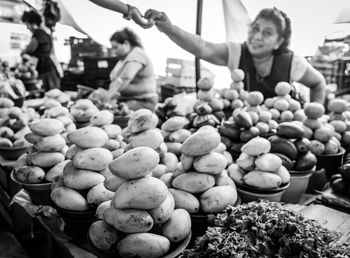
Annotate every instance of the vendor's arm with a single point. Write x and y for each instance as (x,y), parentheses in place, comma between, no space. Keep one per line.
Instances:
(317,84)
(127,10)
(303,72)
(128,73)
(213,53)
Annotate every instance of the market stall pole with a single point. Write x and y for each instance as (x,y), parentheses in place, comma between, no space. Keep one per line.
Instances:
(198,32)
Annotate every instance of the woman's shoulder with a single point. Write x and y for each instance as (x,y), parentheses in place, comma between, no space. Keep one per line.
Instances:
(298,67)
(41,34)
(137,54)
(234,54)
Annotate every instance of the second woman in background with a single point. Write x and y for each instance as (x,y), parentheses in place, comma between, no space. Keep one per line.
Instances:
(132,79)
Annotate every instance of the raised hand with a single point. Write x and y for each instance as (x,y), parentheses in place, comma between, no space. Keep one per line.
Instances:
(137,17)
(160,19)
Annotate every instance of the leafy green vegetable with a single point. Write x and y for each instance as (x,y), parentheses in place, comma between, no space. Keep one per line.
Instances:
(265,229)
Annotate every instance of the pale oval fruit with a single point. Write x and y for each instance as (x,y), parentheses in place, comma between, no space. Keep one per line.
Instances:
(144,193)
(69,199)
(217,198)
(46,127)
(178,226)
(102,117)
(143,245)
(103,236)
(268,162)
(337,106)
(281,104)
(135,163)
(237,75)
(200,143)
(314,110)
(128,220)
(255,98)
(88,137)
(164,211)
(283,88)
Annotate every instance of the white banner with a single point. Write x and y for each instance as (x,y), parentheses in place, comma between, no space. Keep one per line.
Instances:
(237,20)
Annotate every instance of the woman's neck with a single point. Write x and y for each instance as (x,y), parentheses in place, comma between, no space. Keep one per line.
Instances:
(262,59)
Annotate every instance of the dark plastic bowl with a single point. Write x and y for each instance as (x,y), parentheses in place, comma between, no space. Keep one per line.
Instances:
(77,223)
(122,121)
(330,162)
(249,193)
(12,153)
(39,193)
(299,180)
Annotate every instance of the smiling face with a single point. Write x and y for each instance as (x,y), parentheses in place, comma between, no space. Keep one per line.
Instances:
(121,50)
(263,38)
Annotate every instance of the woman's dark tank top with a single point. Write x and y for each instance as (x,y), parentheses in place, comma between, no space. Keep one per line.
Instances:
(280,71)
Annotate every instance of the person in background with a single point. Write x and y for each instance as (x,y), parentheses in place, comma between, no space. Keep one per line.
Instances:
(129,12)
(264,57)
(40,47)
(132,78)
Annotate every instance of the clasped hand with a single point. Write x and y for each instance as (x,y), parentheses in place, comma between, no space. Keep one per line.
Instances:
(139,19)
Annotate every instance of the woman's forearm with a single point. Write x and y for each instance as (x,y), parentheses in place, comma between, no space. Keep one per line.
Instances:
(188,41)
(318,93)
(113,5)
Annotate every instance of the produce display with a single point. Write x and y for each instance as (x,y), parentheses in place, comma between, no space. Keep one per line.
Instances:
(82,110)
(258,167)
(14,124)
(340,182)
(324,136)
(208,110)
(200,183)
(26,69)
(166,110)
(58,95)
(295,150)
(265,229)
(141,219)
(145,183)
(84,171)
(47,150)
(10,86)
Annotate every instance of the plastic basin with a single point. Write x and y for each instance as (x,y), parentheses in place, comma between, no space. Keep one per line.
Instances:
(330,162)
(299,181)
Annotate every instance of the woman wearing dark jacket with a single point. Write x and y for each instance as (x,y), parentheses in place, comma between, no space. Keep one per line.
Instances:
(41,47)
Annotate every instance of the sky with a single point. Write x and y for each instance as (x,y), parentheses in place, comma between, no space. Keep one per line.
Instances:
(311,22)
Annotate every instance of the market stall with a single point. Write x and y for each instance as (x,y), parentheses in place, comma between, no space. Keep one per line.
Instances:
(223,172)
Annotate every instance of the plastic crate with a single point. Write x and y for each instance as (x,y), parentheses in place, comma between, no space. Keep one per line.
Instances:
(337,71)
(98,67)
(168,90)
(181,73)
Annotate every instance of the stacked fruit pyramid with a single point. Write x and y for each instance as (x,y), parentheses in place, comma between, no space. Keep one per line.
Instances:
(82,185)
(47,150)
(208,109)
(201,183)
(115,143)
(142,220)
(257,167)
(82,110)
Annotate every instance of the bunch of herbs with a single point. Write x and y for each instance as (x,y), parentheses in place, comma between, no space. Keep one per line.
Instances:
(265,229)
